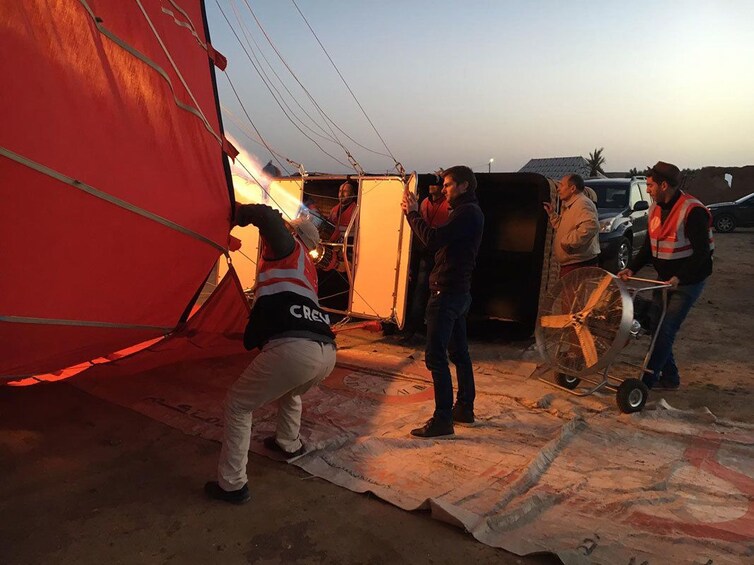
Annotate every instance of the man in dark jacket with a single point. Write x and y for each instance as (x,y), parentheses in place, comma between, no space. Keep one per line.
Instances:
(455,245)
(679,245)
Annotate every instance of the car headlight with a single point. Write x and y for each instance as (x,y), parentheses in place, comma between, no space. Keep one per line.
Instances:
(606,226)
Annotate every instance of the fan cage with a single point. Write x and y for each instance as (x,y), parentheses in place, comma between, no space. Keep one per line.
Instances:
(585,320)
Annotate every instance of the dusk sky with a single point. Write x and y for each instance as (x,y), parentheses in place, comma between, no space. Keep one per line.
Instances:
(460,82)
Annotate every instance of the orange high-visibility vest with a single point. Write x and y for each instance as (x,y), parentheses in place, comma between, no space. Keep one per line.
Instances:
(295,273)
(669,239)
(285,301)
(340,218)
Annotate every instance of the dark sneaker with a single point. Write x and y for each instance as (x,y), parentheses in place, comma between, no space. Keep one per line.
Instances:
(649,380)
(272,444)
(462,414)
(240,496)
(667,385)
(434,428)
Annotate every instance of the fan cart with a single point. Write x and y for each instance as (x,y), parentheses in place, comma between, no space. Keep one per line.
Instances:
(585,322)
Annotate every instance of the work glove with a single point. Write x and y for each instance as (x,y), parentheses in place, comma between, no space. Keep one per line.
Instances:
(243,215)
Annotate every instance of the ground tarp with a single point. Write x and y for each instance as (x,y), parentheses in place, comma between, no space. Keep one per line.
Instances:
(539,471)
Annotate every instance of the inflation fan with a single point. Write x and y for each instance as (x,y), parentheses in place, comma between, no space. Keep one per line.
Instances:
(585,321)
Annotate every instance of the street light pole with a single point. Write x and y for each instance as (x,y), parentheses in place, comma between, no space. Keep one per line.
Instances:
(489,165)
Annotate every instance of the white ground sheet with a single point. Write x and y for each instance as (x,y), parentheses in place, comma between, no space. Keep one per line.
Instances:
(540,470)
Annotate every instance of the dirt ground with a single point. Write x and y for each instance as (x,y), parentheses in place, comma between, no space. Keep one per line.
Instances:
(89,482)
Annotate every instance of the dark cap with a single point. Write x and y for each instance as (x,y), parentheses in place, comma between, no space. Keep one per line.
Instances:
(665,172)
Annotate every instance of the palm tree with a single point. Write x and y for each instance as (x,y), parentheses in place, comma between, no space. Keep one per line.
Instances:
(596,160)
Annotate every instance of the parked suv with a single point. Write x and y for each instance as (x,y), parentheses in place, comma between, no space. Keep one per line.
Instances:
(622,205)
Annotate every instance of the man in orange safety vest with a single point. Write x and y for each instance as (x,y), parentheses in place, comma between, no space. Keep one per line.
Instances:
(679,246)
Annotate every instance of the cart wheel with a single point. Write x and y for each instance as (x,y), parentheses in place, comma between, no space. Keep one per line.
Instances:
(567,381)
(632,395)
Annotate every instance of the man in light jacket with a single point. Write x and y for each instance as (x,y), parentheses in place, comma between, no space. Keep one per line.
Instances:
(577,227)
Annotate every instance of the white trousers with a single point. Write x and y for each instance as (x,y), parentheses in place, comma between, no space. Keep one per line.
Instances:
(284,370)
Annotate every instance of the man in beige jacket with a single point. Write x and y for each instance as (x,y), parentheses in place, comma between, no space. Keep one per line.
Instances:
(577,227)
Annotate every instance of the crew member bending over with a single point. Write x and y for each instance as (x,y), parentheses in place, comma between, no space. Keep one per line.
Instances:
(297,347)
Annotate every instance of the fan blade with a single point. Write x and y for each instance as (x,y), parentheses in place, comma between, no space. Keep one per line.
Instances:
(587,345)
(555,321)
(594,298)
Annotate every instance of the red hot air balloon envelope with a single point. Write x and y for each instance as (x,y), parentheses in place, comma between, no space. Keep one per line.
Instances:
(115,196)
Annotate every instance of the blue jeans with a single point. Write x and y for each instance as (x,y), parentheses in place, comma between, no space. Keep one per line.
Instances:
(446,339)
(661,363)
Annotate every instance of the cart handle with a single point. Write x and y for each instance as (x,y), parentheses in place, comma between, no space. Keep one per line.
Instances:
(652,281)
(653,285)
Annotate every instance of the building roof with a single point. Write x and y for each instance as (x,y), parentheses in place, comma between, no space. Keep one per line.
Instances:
(557,167)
